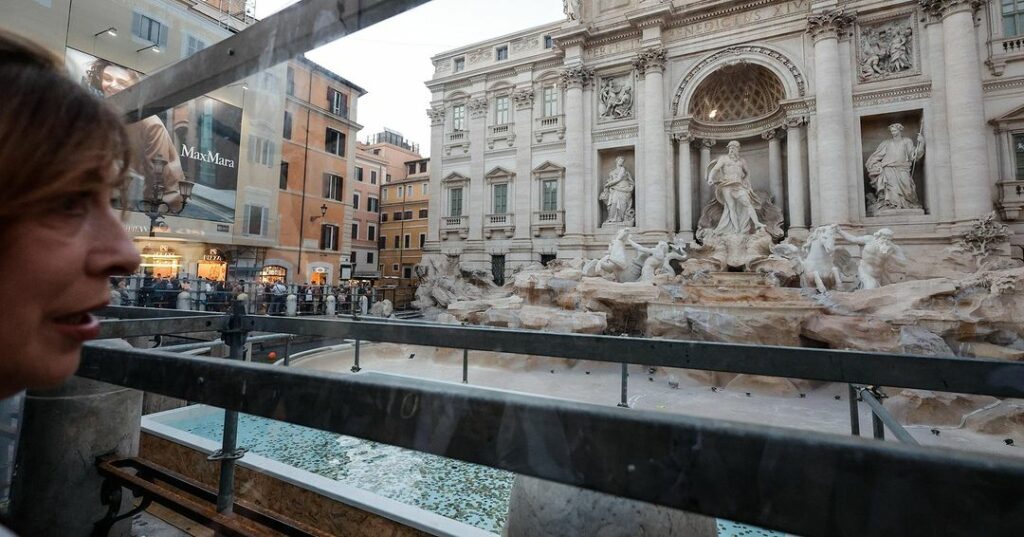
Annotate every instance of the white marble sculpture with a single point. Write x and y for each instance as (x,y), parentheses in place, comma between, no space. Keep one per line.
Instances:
(878,255)
(733,191)
(617,195)
(821,262)
(886,50)
(657,260)
(615,263)
(891,169)
(572,8)
(616,99)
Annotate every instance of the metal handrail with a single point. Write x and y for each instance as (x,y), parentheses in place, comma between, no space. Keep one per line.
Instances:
(797,481)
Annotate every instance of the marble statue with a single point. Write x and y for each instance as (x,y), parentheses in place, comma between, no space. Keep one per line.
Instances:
(877,256)
(616,100)
(615,263)
(733,191)
(572,9)
(886,51)
(821,262)
(656,260)
(891,169)
(617,195)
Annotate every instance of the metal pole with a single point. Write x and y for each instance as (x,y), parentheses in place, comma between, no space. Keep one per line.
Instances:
(465,366)
(625,375)
(235,337)
(288,351)
(355,367)
(854,415)
(877,427)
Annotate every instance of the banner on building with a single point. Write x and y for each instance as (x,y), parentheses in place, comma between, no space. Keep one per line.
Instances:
(197,141)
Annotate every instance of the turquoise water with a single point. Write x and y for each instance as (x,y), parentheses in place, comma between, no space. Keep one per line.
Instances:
(410,477)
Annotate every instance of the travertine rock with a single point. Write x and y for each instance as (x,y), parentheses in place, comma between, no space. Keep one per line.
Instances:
(1006,419)
(771,385)
(857,333)
(918,299)
(981,349)
(921,341)
(728,325)
(925,407)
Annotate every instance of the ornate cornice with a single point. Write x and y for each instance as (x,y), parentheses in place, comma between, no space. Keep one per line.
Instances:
(436,115)
(893,95)
(708,143)
(477,107)
(830,23)
(948,7)
(576,76)
(523,98)
(771,134)
(650,60)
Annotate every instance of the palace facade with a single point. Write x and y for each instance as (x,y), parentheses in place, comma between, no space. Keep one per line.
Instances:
(528,127)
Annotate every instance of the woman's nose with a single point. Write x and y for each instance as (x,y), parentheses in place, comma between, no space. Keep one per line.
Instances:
(112,250)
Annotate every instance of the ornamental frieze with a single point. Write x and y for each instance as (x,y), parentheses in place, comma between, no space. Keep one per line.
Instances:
(888,49)
(735,18)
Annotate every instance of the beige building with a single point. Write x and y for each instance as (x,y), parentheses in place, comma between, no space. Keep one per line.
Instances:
(404,223)
(371,170)
(528,127)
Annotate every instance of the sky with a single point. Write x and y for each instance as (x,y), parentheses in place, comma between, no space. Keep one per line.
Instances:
(391,59)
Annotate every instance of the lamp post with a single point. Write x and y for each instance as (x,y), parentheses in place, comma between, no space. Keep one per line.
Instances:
(154,206)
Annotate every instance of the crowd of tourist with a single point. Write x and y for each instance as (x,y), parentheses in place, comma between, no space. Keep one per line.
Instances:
(210,295)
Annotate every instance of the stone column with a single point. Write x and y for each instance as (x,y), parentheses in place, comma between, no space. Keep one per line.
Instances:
(833,145)
(969,166)
(937,129)
(685,195)
(775,167)
(574,78)
(436,114)
(475,203)
(796,181)
(521,205)
(702,173)
(651,64)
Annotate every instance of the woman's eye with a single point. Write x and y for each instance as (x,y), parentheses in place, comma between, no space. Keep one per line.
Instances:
(75,204)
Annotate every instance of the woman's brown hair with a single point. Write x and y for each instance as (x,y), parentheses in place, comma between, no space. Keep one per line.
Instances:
(56,139)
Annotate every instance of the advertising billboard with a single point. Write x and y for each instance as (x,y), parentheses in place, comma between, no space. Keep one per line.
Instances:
(197,141)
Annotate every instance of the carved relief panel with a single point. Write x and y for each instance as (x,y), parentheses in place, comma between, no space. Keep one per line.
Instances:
(616,97)
(888,48)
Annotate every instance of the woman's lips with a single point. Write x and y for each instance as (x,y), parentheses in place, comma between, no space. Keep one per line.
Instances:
(80,326)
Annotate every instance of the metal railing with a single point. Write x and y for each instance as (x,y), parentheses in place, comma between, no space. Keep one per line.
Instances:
(802,482)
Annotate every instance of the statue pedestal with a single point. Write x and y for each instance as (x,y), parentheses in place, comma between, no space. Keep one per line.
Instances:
(895,213)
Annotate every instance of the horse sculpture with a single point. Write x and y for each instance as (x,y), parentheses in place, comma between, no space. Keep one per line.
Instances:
(821,263)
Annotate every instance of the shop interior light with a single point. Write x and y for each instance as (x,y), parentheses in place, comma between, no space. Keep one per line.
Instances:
(154,47)
(112,32)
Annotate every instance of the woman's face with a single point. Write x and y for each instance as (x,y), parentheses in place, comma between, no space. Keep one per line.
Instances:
(54,270)
(115,79)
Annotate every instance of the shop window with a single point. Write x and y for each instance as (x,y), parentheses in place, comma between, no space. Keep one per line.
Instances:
(273,273)
(255,220)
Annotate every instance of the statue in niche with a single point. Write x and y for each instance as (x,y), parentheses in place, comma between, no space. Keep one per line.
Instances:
(878,256)
(616,100)
(886,50)
(572,9)
(617,195)
(891,170)
(733,191)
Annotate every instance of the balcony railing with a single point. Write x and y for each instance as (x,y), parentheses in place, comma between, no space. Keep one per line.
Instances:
(454,221)
(550,127)
(808,483)
(499,219)
(498,130)
(456,136)
(549,122)
(548,220)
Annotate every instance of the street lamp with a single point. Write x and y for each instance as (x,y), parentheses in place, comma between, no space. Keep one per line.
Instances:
(323,213)
(154,206)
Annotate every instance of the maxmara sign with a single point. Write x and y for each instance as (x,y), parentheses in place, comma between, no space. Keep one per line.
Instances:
(209,156)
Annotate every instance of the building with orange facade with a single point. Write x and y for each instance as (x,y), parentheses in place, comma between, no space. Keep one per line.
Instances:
(404,219)
(371,170)
(316,176)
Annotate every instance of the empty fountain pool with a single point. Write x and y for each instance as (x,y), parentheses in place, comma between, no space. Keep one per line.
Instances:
(472,495)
